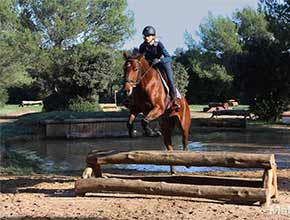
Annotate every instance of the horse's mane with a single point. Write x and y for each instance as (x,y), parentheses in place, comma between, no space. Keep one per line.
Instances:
(136,55)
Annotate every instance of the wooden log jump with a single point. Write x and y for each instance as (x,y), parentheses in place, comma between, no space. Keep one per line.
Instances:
(213,106)
(235,112)
(27,103)
(106,107)
(267,186)
(98,185)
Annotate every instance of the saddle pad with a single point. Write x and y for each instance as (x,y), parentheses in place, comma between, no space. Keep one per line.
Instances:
(178,95)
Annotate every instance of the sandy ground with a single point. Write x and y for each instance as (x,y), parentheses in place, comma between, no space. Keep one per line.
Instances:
(52,197)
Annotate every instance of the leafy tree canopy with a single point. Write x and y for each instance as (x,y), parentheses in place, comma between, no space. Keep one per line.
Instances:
(278,15)
(68,23)
(251,25)
(218,35)
(64,45)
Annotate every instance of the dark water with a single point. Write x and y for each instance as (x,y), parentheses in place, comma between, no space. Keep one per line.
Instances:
(69,155)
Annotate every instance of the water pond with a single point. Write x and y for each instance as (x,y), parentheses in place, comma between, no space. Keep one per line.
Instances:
(69,155)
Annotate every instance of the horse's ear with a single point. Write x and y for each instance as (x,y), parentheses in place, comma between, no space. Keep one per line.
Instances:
(125,55)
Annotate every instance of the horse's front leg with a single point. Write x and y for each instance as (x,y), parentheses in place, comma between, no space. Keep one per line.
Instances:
(130,126)
(148,131)
(152,115)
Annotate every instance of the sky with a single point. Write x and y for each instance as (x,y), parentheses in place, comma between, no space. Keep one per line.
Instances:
(171,18)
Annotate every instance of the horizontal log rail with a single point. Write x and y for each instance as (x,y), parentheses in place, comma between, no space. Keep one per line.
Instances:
(181,158)
(235,112)
(97,185)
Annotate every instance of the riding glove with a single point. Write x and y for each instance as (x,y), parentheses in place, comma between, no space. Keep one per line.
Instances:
(155,62)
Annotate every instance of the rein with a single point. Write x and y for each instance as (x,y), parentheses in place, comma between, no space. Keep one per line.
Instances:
(136,82)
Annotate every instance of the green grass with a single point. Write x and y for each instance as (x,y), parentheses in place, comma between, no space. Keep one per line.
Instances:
(8,109)
(197,108)
(16,170)
(244,107)
(20,162)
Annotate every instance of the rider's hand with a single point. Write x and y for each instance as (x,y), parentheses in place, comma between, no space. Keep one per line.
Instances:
(155,62)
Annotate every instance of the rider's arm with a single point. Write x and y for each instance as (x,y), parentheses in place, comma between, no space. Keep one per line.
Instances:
(166,56)
(142,49)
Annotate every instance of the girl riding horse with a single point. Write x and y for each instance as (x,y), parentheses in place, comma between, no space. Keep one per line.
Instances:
(154,50)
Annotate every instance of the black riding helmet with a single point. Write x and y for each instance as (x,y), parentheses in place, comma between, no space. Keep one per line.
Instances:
(149,30)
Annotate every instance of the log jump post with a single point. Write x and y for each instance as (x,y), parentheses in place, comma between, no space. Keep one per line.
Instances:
(27,103)
(218,188)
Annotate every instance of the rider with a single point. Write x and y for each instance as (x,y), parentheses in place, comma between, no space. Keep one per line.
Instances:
(153,50)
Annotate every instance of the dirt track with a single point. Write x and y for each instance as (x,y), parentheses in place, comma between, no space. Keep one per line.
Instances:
(53,196)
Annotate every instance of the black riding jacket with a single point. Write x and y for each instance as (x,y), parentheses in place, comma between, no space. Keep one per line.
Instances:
(155,51)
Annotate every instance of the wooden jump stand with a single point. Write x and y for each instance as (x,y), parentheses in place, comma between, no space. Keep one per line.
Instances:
(218,188)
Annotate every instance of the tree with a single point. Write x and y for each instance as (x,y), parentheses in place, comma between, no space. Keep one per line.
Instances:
(253,49)
(252,29)
(115,81)
(71,42)
(265,80)
(219,35)
(16,49)
(251,26)
(263,67)
(180,77)
(67,23)
(278,15)
(208,61)
(208,81)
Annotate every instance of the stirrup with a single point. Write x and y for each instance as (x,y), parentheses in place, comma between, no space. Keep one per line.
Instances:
(175,105)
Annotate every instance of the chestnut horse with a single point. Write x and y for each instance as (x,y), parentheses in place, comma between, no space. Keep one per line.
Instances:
(144,87)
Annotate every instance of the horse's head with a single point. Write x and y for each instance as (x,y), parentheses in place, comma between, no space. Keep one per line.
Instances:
(133,69)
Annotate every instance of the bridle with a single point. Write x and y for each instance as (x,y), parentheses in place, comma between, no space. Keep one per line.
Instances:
(142,69)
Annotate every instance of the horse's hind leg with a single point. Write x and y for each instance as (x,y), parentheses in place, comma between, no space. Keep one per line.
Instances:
(167,126)
(184,124)
(185,134)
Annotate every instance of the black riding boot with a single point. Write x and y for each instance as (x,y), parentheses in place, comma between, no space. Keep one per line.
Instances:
(172,89)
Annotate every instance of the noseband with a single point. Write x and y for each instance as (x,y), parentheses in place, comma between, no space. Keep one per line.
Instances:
(136,82)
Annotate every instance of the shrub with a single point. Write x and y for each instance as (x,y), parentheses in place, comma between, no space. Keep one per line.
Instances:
(82,105)
(269,107)
(55,102)
(3,96)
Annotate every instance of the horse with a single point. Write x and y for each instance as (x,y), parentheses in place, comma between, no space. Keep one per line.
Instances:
(147,94)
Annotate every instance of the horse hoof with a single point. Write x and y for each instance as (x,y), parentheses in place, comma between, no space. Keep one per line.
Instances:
(152,133)
(87,173)
(157,133)
(148,135)
(133,134)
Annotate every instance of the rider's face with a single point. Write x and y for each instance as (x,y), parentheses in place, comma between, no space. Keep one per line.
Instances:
(149,39)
